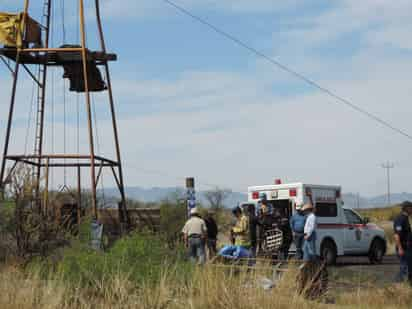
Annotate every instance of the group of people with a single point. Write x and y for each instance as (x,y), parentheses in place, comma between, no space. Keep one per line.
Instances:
(251,229)
(248,233)
(199,233)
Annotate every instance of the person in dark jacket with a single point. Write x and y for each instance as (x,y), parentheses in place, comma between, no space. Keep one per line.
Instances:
(297,225)
(403,242)
(253,226)
(282,223)
(212,232)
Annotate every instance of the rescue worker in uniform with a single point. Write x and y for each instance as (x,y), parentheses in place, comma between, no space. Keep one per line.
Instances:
(195,235)
(297,225)
(403,242)
(241,229)
(309,234)
(241,238)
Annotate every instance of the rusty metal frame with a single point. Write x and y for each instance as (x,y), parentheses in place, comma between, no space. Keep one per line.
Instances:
(119,179)
(44,57)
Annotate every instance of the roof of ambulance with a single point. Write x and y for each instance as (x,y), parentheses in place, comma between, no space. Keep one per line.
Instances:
(291,185)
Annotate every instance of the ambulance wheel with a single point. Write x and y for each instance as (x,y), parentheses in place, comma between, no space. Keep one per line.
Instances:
(377,251)
(328,252)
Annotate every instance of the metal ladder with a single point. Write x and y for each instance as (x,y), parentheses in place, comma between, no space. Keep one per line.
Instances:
(41,92)
(41,89)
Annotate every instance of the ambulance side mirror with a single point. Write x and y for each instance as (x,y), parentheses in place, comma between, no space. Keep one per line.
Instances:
(365,220)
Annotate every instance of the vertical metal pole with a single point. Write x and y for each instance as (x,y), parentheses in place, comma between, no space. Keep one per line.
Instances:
(9,121)
(79,194)
(388,166)
(12,102)
(389,184)
(42,104)
(122,205)
(89,111)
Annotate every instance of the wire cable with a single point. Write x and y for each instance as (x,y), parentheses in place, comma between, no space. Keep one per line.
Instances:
(174,177)
(26,139)
(285,68)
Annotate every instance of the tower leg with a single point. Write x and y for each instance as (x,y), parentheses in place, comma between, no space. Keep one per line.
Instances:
(89,111)
(9,122)
(122,205)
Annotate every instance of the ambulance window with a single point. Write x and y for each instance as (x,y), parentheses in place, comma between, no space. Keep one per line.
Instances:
(326,210)
(351,217)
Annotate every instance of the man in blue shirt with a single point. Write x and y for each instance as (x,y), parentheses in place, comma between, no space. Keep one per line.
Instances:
(297,224)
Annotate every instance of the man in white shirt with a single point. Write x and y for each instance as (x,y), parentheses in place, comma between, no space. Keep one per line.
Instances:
(309,232)
(195,233)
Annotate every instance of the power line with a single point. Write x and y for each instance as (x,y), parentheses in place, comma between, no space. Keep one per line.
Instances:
(175,177)
(289,70)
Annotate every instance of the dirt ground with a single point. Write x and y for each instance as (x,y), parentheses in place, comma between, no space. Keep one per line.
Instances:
(353,272)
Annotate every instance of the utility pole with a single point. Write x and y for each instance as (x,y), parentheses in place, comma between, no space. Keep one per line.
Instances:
(388,166)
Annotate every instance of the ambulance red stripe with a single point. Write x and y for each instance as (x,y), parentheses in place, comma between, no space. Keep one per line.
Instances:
(345,225)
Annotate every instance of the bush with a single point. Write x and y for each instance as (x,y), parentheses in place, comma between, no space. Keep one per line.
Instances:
(142,258)
(172,219)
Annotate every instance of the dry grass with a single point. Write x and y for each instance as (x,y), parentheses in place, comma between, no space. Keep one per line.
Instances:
(210,288)
(381,214)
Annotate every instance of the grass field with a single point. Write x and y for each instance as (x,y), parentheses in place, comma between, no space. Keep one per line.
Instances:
(206,288)
(141,271)
(381,214)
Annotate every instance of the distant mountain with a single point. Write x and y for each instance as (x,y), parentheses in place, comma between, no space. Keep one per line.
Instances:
(157,194)
(351,200)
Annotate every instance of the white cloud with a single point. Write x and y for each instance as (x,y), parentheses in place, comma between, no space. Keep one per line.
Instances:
(248,135)
(367,18)
(232,129)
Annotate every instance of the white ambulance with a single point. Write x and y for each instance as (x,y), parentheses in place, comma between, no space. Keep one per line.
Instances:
(340,231)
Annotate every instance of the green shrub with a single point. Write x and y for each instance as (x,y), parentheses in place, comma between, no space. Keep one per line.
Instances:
(142,258)
(172,219)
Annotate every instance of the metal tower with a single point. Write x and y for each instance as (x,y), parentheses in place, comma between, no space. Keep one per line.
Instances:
(81,66)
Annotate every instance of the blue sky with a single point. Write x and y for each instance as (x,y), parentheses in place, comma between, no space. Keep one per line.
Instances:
(191,102)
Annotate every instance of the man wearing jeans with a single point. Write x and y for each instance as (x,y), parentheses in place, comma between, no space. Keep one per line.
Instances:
(297,224)
(309,234)
(403,241)
(195,232)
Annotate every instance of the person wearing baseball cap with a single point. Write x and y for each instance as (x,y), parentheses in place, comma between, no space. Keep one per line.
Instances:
(297,225)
